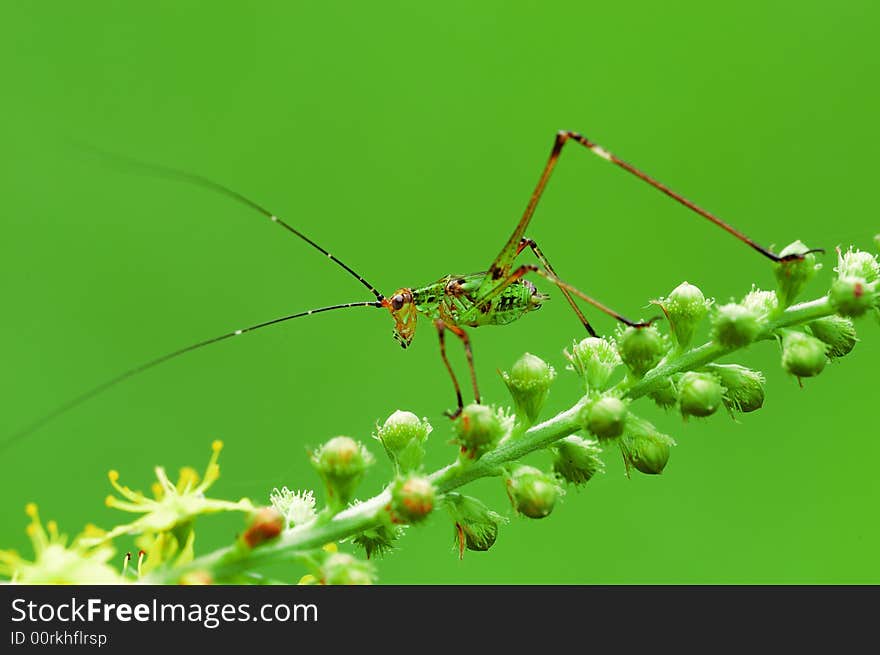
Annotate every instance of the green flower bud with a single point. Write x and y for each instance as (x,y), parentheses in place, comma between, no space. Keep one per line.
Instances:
(793,274)
(699,394)
(412,499)
(577,460)
(605,417)
(644,447)
(837,332)
(403,436)
(734,326)
(857,263)
(594,359)
(665,395)
(341,462)
(761,303)
(532,492)
(802,355)
(744,388)
(852,296)
(378,540)
(684,307)
(266,524)
(476,526)
(529,383)
(343,569)
(478,429)
(641,349)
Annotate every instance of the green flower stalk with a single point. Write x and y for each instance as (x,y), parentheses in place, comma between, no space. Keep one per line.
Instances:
(490,442)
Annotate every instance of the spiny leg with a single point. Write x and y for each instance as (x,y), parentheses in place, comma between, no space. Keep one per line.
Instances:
(530,243)
(441,334)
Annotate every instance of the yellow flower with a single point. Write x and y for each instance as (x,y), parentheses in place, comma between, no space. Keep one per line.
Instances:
(174,506)
(82,562)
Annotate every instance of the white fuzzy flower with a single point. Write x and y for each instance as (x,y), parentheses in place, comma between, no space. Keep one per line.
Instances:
(297,507)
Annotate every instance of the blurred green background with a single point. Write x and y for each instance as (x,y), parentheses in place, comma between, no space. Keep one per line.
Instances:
(407,137)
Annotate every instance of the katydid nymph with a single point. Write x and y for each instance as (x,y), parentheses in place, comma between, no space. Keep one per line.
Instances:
(497,296)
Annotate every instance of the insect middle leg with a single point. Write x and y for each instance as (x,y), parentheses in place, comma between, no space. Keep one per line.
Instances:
(442,326)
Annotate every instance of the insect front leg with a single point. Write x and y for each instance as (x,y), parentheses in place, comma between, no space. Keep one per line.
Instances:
(441,334)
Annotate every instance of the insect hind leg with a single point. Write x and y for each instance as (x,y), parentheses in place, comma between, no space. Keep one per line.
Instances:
(524,243)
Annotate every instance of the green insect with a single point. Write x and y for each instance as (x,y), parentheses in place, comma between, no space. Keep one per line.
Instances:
(497,296)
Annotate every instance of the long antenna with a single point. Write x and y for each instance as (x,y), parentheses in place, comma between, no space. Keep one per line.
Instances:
(101,388)
(167,172)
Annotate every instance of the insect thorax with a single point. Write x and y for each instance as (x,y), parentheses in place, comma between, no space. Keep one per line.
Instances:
(453,299)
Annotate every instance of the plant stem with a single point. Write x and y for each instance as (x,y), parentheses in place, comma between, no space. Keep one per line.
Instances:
(354,520)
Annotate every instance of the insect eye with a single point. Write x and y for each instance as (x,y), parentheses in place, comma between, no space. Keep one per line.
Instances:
(397,302)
